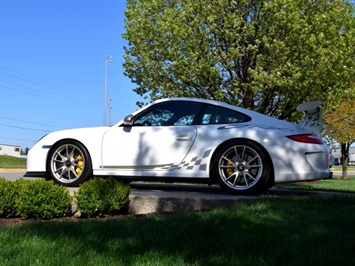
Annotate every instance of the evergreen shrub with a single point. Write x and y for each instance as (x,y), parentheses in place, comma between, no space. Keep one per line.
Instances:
(7,192)
(34,199)
(99,197)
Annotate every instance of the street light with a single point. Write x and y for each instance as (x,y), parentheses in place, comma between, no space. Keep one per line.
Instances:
(107,59)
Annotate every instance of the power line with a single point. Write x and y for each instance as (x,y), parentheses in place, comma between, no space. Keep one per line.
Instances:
(30,122)
(41,82)
(26,128)
(32,140)
(49,98)
(38,90)
(69,91)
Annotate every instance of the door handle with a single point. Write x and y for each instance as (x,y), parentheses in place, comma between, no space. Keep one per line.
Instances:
(184,137)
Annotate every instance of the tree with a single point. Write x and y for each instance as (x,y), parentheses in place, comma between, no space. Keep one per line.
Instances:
(341,126)
(268,56)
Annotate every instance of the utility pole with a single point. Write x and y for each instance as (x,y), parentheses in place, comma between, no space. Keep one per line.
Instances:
(108,58)
(109,111)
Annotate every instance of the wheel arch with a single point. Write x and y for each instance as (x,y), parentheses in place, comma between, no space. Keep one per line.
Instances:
(213,179)
(59,143)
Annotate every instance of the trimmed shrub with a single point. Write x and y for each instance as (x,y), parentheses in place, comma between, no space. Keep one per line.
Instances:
(7,192)
(35,199)
(99,197)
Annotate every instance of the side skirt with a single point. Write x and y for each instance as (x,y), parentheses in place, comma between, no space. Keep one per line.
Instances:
(34,174)
(161,179)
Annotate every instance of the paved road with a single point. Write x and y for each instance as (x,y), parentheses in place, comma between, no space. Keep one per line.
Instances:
(16,174)
(12,174)
(141,189)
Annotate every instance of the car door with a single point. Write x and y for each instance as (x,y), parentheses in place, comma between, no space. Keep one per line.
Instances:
(158,139)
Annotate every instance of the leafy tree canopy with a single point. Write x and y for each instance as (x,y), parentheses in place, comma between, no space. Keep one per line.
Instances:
(341,122)
(264,55)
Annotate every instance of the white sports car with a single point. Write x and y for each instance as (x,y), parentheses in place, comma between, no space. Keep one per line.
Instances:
(189,140)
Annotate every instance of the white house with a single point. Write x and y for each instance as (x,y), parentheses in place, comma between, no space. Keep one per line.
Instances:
(11,150)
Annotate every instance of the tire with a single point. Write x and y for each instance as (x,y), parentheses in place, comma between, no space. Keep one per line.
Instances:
(242,167)
(69,163)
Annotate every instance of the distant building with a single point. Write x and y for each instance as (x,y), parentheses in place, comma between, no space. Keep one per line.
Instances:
(11,150)
(337,154)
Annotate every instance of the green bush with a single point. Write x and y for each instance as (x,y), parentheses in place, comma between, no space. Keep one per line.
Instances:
(9,195)
(34,199)
(44,199)
(7,192)
(99,197)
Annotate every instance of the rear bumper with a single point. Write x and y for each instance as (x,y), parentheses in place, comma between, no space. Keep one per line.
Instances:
(330,176)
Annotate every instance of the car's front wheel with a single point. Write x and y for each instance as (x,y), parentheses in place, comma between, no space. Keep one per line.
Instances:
(69,163)
(242,167)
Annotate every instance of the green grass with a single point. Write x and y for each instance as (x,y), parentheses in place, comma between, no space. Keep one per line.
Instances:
(270,231)
(351,169)
(334,184)
(12,162)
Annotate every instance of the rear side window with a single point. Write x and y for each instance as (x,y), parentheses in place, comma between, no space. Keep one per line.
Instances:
(220,115)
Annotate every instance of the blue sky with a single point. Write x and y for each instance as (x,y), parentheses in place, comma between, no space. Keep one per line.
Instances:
(52,66)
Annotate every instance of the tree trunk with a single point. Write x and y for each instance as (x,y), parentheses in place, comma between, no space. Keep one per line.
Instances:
(345,159)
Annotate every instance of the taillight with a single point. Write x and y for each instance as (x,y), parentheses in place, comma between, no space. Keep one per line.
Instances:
(307,138)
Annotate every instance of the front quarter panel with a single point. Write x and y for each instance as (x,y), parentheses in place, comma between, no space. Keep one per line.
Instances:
(91,138)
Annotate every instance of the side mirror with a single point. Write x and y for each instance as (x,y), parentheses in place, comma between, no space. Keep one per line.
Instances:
(128,120)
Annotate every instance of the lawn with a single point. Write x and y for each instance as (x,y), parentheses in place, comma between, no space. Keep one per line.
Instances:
(273,230)
(12,162)
(270,231)
(334,184)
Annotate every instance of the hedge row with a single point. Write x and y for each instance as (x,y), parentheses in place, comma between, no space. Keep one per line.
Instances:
(45,200)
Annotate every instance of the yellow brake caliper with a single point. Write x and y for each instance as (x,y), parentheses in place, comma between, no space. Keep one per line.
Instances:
(80,166)
(230,171)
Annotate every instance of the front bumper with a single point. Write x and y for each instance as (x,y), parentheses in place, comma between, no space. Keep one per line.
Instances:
(34,174)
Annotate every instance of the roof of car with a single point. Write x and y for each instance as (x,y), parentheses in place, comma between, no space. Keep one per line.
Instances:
(197,100)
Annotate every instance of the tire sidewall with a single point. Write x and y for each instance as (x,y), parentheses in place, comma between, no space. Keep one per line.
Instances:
(261,184)
(86,172)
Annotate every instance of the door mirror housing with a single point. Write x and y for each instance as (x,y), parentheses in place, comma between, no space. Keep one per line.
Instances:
(128,120)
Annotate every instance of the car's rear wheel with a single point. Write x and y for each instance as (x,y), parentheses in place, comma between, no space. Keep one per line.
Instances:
(242,167)
(69,163)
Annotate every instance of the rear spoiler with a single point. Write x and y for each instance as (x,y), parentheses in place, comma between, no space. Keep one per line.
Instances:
(312,121)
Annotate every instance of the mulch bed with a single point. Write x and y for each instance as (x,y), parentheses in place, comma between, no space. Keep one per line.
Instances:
(19,221)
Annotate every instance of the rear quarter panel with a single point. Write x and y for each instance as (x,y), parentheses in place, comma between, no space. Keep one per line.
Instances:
(291,161)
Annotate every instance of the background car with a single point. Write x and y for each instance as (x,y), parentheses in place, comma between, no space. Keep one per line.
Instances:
(189,140)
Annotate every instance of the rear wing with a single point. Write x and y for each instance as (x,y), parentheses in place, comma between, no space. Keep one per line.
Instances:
(312,121)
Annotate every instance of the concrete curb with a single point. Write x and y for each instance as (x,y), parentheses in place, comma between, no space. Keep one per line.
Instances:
(145,205)
(167,198)
(148,198)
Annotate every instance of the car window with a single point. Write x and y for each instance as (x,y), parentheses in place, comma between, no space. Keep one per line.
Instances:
(178,113)
(220,115)
(156,117)
(185,120)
